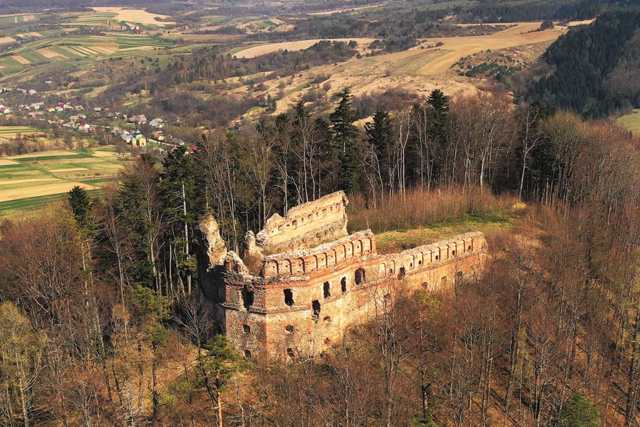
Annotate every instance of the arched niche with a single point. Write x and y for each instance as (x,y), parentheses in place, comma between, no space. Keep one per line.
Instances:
(357,248)
(298,266)
(322,260)
(348,249)
(284,266)
(271,268)
(331,258)
(382,270)
(310,263)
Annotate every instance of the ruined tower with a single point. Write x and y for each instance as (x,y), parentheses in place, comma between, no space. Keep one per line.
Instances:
(306,280)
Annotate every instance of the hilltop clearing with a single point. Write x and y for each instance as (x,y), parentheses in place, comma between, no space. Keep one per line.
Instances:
(139,16)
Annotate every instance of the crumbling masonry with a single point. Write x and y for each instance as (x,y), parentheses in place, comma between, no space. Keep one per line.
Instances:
(303,280)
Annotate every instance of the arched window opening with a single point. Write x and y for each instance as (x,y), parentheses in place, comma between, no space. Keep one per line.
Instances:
(246,329)
(290,329)
(360,276)
(343,285)
(291,353)
(247,298)
(315,306)
(326,289)
(402,273)
(247,354)
(288,297)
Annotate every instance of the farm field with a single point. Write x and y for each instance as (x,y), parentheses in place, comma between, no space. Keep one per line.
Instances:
(138,16)
(33,180)
(10,132)
(631,122)
(71,48)
(264,49)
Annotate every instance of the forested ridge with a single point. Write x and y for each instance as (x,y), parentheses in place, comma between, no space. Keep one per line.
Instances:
(592,70)
(104,303)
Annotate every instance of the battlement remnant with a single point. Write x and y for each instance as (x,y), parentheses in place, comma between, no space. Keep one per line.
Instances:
(311,280)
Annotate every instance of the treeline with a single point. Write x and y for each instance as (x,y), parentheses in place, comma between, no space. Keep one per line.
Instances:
(514,11)
(209,64)
(591,70)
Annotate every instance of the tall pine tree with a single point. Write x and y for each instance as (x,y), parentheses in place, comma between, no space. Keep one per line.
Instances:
(344,135)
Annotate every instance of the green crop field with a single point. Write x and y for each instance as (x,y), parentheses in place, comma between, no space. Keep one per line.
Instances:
(10,132)
(59,48)
(34,180)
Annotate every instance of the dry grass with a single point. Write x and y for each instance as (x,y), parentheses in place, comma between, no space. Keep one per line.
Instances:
(294,46)
(420,69)
(50,54)
(421,208)
(139,16)
(26,192)
(21,59)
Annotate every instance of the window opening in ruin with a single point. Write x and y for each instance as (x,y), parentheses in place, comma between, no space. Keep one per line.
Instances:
(387,299)
(360,276)
(315,305)
(327,319)
(247,354)
(246,329)
(289,328)
(469,248)
(459,276)
(326,289)
(453,253)
(425,286)
(247,298)
(288,297)
(327,341)
(291,353)
(437,257)
(402,273)
(343,284)
(420,262)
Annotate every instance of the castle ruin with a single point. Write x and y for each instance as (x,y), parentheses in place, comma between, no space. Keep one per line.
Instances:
(303,280)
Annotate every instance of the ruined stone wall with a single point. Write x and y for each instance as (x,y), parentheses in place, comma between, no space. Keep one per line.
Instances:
(306,225)
(304,302)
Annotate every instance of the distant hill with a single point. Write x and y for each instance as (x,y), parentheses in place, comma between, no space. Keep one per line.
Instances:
(593,70)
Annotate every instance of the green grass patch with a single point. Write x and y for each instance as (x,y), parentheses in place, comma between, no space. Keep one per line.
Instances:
(398,240)
(631,121)
(34,57)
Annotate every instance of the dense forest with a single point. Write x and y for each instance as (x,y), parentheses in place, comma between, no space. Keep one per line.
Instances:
(592,70)
(107,320)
